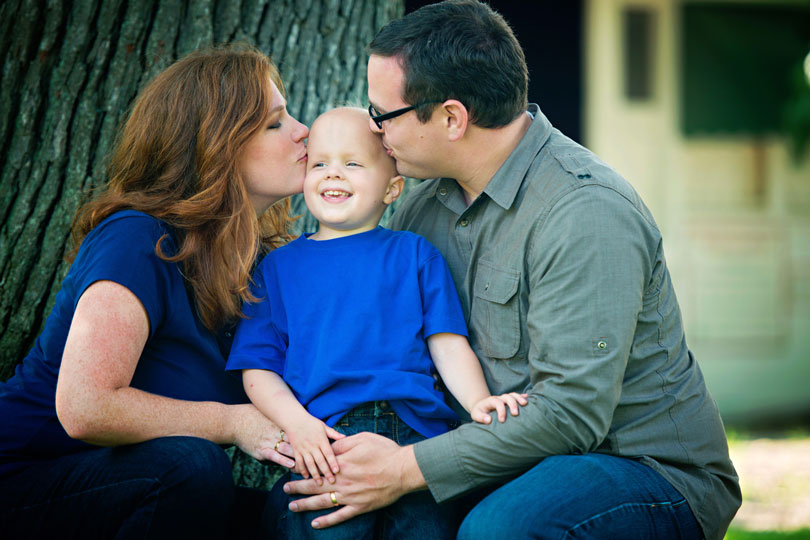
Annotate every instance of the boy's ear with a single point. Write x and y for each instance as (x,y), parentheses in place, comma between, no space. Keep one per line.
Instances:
(394,190)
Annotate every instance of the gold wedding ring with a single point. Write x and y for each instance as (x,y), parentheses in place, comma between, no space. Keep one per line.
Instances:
(333,497)
(278,442)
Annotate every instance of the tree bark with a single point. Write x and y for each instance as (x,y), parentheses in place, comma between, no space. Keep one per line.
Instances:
(70,71)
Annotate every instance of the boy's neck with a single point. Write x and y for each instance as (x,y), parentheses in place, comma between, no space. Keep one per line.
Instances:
(328,233)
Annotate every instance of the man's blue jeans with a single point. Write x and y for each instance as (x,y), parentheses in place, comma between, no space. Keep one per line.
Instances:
(415,516)
(583,496)
(174,487)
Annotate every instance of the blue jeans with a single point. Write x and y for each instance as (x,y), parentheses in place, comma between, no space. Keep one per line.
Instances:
(415,516)
(174,487)
(583,496)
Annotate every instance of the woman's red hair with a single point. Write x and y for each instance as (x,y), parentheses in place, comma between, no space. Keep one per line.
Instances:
(177,159)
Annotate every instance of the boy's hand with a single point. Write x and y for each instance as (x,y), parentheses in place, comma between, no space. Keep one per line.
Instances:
(313,451)
(480,411)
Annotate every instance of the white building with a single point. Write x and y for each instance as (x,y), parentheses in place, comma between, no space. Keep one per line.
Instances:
(679,96)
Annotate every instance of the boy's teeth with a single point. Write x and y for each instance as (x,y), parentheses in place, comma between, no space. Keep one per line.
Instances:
(334,193)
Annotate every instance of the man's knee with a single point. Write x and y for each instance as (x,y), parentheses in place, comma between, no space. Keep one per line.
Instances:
(488,521)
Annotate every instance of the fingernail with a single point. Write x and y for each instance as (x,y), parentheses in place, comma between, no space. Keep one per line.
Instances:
(315,524)
(286,488)
(332,480)
(293,507)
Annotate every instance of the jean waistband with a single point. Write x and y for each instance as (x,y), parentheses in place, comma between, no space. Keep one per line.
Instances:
(371,409)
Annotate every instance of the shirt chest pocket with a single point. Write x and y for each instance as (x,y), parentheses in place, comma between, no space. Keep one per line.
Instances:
(495,313)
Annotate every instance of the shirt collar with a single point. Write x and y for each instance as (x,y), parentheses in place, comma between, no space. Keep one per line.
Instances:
(503,187)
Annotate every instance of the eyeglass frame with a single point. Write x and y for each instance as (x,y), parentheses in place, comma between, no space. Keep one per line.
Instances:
(380,118)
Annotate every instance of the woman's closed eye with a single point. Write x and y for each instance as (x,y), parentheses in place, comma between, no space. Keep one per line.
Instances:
(275,120)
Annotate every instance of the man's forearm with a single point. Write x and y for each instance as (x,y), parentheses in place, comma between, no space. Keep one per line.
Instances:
(476,454)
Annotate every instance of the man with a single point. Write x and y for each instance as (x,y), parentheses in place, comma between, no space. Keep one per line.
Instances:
(562,276)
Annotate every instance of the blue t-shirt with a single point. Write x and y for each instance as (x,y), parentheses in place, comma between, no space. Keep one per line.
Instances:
(181,358)
(344,322)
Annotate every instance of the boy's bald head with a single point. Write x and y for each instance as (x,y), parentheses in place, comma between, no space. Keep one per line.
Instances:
(349,126)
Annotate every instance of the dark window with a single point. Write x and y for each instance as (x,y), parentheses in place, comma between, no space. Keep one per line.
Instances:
(737,63)
(639,53)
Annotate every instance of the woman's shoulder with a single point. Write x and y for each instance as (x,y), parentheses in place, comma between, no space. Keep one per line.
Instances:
(130,228)
(126,235)
(130,219)
(122,249)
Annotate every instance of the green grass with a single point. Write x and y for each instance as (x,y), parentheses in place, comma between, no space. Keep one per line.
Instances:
(735,435)
(740,435)
(738,534)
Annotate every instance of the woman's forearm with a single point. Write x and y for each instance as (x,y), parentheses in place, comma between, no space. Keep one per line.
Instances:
(128,415)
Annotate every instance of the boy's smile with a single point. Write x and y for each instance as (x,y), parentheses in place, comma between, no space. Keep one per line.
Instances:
(333,193)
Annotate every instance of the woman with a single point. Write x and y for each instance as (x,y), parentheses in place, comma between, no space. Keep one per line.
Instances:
(112,424)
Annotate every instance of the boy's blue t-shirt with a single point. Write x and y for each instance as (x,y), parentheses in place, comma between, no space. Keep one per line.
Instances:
(344,322)
(181,358)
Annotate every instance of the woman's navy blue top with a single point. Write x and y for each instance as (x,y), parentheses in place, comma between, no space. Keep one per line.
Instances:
(181,359)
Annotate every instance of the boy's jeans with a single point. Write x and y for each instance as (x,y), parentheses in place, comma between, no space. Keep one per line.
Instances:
(415,516)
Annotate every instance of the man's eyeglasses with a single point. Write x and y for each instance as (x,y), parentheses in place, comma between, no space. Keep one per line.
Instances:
(380,118)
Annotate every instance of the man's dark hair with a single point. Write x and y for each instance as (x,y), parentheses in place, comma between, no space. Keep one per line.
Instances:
(458,49)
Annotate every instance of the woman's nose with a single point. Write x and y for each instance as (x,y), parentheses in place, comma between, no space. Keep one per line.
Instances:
(301,132)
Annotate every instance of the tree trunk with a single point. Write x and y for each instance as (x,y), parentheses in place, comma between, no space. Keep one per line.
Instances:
(70,71)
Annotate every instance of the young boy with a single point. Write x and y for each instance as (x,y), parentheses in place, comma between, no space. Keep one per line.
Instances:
(349,320)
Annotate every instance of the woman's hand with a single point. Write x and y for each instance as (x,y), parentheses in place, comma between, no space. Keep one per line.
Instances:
(313,453)
(258,437)
(480,411)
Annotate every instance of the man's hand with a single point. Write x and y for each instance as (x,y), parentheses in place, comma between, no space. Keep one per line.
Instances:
(374,472)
